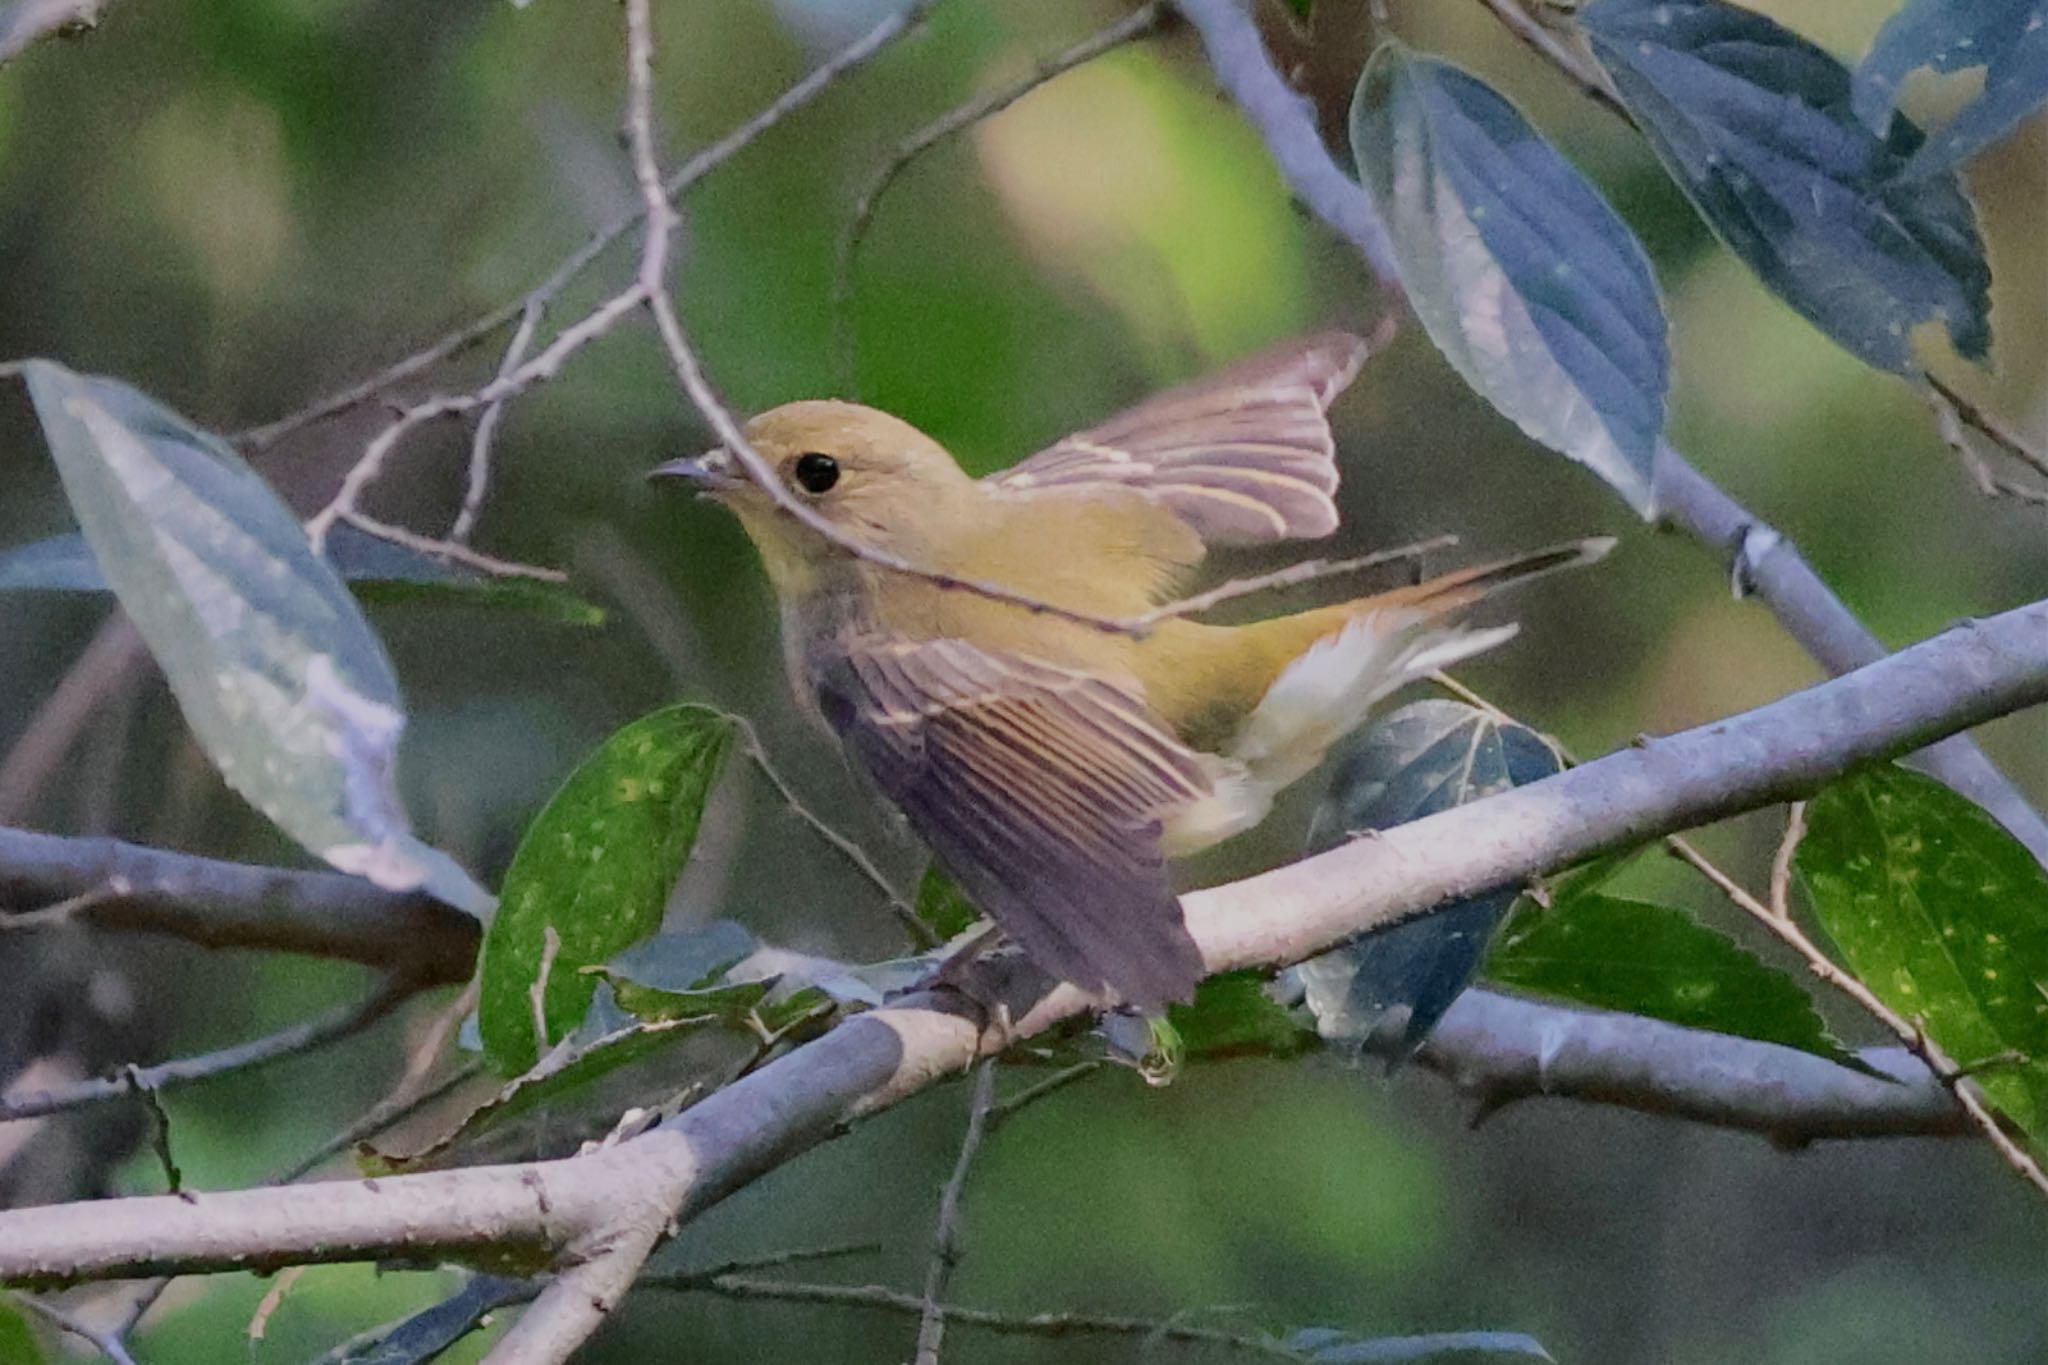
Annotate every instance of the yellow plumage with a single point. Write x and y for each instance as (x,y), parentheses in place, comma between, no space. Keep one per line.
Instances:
(1054,766)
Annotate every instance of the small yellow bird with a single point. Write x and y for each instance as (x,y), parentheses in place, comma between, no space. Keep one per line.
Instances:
(1051,766)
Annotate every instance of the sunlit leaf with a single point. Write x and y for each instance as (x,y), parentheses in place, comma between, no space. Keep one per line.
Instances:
(376,570)
(943,906)
(18,1344)
(1755,124)
(595,868)
(1423,758)
(1531,286)
(1945,916)
(280,678)
(1627,955)
(2008,38)
(1326,1346)
(1232,1015)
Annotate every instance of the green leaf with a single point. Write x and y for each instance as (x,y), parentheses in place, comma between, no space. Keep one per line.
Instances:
(18,1344)
(1626,955)
(279,676)
(1233,1016)
(679,975)
(596,868)
(1532,287)
(377,571)
(1423,758)
(943,906)
(1756,125)
(1945,916)
(1326,1346)
(2008,38)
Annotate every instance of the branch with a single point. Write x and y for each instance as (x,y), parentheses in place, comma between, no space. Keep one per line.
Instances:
(218,904)
(1774,571)
(848,58)
(644,1186)
(931,1322)
(304,1036)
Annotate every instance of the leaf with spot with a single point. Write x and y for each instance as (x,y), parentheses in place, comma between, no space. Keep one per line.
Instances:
(2007,38)
(377,571)
(1616,954)
(280,678)
(1423,758)
(1532,287)
(1945,916)
(1756,125)
(595,868)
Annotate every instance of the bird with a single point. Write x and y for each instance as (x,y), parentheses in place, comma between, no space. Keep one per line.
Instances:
(1055,767)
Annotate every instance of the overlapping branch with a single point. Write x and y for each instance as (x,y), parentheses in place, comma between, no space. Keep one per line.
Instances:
(624,1198)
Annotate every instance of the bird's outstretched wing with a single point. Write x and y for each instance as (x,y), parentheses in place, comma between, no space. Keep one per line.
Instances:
(1040,790)
(1243,456)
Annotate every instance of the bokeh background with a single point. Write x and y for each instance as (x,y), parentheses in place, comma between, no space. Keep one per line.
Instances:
(239,205)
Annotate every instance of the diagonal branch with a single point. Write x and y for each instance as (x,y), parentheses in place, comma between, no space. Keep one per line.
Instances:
(636,1191)
(1765,563)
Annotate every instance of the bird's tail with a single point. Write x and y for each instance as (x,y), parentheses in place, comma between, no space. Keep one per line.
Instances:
(1342,659)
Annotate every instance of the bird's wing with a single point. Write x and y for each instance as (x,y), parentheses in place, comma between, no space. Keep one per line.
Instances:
(1041,790)
(1244,456)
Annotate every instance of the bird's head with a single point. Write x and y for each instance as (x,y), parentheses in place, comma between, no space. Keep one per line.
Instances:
(877,478)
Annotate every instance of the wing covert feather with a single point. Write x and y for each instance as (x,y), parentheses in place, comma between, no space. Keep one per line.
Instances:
(1041,790)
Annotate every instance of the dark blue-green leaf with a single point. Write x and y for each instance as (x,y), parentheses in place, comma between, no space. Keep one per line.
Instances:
(1756,125)
(1945,916)
(1423,758)
(1616,954)
(431,1331)
(596,868)
(2008,38)
(1531,286)
(280,678)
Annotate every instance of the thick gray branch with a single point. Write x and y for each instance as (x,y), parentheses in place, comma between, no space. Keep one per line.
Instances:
(113,885)
(1787,749)
(1768,564)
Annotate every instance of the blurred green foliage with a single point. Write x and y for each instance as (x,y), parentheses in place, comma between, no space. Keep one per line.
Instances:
(237,205)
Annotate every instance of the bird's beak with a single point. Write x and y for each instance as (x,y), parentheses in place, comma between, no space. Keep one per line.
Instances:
(711,473)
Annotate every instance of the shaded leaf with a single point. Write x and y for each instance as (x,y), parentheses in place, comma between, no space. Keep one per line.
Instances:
(1945,916)
(1755,124)
(596,867)
(427,1333)
(1531,286)
(279,677)
(2008,38)
(943,906)
(18,1344)
(378,572)
(1420,759)
(681,975)
(1626,955)
(562,1101)
(1328,1347)
(1232,1015)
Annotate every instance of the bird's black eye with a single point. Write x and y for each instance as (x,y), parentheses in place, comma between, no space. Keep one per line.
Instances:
(816,473)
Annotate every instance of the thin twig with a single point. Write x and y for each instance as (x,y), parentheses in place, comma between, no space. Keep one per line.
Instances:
(1985,425)
(906,913)
(1009,1107)
(160,1125)
(1787,930)
(1294,575)
(1003,1324)
(479,481)
(1951,422)
(108,1344)
(452,550)
(931,1323)
(1781,861)
(1145,19)
(63,911)
(799,94)
(304,1036)
(102,670)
